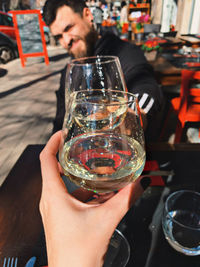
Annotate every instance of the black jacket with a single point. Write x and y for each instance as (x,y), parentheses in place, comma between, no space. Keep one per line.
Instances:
(138,73)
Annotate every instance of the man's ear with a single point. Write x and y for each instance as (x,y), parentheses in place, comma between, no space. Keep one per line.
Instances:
(87,14)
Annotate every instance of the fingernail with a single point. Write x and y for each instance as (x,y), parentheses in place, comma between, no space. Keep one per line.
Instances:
(145,182)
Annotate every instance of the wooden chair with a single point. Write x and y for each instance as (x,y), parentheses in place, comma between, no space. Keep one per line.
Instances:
(187,105)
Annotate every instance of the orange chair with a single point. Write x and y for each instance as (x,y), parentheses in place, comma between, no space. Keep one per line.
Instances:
(187,105)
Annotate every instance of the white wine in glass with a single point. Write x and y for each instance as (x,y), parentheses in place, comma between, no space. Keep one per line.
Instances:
(103,141)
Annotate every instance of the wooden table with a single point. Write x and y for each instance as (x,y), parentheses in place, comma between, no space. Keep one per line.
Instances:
(191,41)
(166,74)
(21,231)
(172,43)
(165,42)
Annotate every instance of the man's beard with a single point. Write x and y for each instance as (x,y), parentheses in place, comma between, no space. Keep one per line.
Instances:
(90,41)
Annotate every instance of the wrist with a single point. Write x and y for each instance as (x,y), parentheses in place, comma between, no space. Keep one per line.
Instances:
(68,257)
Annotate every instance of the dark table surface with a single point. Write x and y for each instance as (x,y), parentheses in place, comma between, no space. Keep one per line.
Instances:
(21,231)
(179,60)
(191,40)
(165,72)
(169,64)
(143,222)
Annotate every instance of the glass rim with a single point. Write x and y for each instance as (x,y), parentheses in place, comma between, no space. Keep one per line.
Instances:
(126,101)
(106,60)
(167,210)
(126,242)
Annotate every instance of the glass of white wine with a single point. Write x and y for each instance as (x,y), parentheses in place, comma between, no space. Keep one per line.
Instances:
(97,72)
(103,142)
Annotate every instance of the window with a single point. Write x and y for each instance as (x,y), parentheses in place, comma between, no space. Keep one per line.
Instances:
(6,20)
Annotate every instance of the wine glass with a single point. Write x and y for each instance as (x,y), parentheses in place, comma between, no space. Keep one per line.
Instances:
(97,72)
(103,142)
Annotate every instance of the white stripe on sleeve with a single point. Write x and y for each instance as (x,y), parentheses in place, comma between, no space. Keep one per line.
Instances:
(143,99)
(149,105)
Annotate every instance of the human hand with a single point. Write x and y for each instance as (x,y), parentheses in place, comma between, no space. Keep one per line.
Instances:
(78,232)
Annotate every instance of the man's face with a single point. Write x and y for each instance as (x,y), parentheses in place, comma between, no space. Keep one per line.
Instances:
(75,33)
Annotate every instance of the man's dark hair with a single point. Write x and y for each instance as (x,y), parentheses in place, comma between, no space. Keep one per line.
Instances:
(123,3)
(51,6)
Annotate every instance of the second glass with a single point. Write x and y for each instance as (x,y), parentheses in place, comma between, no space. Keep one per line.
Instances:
(181,221)
(98,72)
(103,141)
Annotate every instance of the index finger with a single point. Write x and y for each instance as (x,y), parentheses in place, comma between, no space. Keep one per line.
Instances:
(52,145)
(49,164)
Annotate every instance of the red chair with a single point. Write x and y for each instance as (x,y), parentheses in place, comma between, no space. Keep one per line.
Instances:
(187,105)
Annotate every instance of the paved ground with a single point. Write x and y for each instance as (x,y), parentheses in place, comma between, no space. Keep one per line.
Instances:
(27,104)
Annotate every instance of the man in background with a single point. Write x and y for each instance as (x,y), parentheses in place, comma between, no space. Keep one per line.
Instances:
(98,17)
(124,13)
(71,23)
